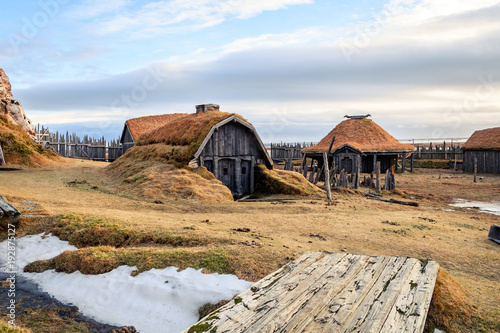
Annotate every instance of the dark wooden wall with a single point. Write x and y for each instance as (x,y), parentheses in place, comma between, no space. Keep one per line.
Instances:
(127,140)
(345,159)
(231,154)
(488,161)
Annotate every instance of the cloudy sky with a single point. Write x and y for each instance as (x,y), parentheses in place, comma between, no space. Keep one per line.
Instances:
(294,68)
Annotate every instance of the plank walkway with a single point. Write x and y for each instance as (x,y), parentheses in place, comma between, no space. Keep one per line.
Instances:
(322,292)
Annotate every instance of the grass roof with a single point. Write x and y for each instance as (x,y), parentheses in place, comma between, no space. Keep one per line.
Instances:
(141,125)
(487,139)
(186,130)
(361,134)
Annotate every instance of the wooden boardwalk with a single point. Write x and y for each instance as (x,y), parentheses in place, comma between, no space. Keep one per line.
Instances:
(322,292)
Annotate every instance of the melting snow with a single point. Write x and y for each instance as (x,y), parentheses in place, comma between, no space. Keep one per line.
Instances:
(487,207)
(159,300)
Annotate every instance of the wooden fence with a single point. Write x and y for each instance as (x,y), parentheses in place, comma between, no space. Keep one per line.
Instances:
(287,152)
(71,145)
(445,151)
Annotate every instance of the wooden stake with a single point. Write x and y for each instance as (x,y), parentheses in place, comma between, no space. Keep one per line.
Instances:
(358,171)
(327,178)
(377,176)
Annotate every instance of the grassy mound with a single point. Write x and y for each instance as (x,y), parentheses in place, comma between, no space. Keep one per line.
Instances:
(153,171)
(21,151)
(450,308)
(283,182)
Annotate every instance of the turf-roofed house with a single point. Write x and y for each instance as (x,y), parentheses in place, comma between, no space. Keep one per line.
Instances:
(485,146)
(224,143)
(360,137)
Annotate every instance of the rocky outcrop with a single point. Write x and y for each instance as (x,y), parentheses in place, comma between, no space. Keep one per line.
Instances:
(12,109)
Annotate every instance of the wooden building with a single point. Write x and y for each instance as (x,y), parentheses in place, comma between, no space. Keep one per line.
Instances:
(358,137)
(226,144)
(485,146)
(135,127)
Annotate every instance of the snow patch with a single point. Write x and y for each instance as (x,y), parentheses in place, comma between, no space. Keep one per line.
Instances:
(486,207)
(159,300)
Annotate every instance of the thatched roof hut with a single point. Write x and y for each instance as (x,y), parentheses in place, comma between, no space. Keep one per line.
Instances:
(485,146)
(359,136)
(225,143)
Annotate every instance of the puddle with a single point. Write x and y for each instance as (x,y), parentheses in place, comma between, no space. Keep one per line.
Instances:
(485,207)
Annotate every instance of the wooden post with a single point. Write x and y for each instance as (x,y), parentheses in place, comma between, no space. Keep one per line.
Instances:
(333,175)
(377,176)
(412,158)
(475,169)
(455,164)
(311,175)
(327,178)
(358,171)
(303,164)
(318,175)
(374,162)
(403,163)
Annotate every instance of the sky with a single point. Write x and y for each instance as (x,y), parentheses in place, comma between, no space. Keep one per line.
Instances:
(293,68)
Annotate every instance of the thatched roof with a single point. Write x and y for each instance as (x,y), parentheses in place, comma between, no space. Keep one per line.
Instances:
(142,125)
(487,139)
(185,129)
(361,134)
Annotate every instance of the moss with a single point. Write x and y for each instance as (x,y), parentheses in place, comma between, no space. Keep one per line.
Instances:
(238,300)
(200,328)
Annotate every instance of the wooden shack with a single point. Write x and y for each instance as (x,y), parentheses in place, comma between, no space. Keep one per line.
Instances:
(485,146)
(135,127)
(358,137)
(225,143)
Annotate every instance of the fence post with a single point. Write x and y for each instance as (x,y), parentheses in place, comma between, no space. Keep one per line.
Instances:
(377,176)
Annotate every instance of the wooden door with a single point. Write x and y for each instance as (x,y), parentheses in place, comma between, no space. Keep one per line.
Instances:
(246,169)
(226,173)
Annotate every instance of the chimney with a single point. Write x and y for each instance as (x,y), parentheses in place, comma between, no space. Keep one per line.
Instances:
(207,107)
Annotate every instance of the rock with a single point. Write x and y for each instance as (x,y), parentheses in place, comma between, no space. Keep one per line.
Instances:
(438,331)
(8,213)
(12,109)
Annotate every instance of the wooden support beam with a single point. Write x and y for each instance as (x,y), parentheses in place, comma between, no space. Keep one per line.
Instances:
(377,176)
(358,172)
(327,178)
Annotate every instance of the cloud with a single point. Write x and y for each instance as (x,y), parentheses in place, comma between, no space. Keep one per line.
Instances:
(182,15)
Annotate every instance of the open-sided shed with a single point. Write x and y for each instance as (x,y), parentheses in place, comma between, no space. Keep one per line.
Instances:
(485,146)
(358,137)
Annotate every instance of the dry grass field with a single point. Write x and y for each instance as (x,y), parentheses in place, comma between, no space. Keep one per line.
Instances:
(254,239)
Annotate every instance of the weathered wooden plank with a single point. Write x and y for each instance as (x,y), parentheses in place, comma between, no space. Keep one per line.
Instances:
(333,293)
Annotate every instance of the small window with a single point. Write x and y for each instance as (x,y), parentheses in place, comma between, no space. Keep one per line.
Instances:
(225,172)
(243,171)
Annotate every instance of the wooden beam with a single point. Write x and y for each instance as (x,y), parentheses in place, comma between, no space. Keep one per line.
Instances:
(377,176)
(327,178)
